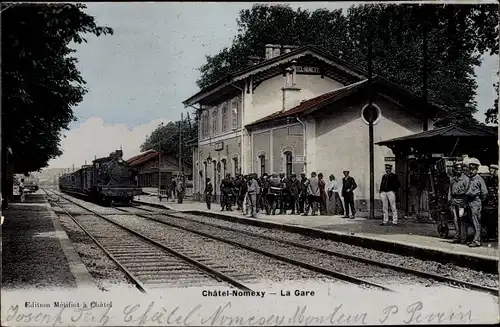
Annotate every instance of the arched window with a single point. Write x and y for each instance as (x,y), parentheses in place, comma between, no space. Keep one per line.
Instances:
(288,163)
(214,121)
(224,117)
(235,166)
(262,163)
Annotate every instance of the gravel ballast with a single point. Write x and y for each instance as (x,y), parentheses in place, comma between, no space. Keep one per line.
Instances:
(449,270)
(102,269)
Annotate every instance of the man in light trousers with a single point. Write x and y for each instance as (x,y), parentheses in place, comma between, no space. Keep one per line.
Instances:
(388,189)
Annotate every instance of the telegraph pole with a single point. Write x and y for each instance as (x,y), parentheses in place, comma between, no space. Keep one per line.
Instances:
(371,117)
(425,60)
(180,144)
(159,169)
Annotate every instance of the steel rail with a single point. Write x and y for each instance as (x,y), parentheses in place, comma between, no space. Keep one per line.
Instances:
(413,271)
(295,262)
(212,272)
(129,275)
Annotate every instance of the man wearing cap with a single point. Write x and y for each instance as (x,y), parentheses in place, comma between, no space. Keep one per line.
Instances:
(476,194)
(494,170)
(459,184)
(388,189)
(348,187)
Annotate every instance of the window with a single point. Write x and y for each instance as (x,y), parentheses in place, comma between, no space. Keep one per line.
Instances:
(235,164)
(224,166)
(262,161)
(235,113)
(224,117)
(288,163)
(205,173)
(214,120)
(214,177)
(206,123)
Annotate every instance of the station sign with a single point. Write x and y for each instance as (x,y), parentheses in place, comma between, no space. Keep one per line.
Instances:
(219,146)
(299,159)
(307,70)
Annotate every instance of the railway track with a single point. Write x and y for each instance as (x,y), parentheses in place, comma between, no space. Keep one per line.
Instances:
(146,263)
(150,224)
(205,228)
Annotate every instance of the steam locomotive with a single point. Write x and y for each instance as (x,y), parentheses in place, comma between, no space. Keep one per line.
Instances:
(109,180)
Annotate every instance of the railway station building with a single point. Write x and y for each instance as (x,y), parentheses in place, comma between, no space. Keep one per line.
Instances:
(147,164)
(301,110)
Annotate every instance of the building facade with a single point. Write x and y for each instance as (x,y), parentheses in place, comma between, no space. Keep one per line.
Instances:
(299,111)
(146,164)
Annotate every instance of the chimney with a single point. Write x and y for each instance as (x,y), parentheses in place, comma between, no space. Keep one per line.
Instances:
(269,51)
(252,60)
(276,51)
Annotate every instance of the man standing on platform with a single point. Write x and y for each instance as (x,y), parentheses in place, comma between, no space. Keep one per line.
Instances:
(283,197)
(476,194)
(348,187)
(181,189)
(303,194)
(313,194)
(208,193)
(226,188)
(253,190)
(388,189)
(294,189)
(459,184)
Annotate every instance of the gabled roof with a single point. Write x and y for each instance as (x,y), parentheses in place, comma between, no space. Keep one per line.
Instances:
(311,105)
(139,156)
(276,61)
(453,131)
(142,158)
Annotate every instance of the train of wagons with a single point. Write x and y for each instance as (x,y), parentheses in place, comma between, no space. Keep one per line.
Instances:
(109,180)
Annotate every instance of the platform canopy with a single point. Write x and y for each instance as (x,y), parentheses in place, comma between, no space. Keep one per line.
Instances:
(475,140)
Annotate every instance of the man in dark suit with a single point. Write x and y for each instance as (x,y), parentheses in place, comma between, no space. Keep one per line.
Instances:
(348,187)
(388,189)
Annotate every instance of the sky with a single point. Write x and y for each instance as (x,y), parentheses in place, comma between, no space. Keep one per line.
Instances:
(138,77)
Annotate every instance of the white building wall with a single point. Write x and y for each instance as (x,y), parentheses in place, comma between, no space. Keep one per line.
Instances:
(268,96)
(342,143)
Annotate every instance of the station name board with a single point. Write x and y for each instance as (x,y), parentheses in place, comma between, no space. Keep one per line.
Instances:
(219,146)
(307,70)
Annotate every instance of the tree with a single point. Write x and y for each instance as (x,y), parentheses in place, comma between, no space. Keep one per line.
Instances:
(41,83)
(166,138)
(456,35)
(492,113)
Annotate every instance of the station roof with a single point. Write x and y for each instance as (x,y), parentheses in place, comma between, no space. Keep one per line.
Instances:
(462,130)
(142,158)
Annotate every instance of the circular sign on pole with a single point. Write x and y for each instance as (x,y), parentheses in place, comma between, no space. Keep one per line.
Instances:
(370,113)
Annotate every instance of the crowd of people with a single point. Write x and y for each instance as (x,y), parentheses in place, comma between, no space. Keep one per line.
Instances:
(175,189)
(277,192)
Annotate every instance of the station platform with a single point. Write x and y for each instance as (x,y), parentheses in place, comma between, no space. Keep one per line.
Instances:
(409,237)
(36,251)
